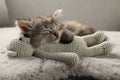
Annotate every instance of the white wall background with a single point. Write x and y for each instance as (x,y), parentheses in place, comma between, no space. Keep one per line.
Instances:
(101,14)
(4,18)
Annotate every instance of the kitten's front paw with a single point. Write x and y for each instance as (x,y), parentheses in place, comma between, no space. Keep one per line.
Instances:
(11,54)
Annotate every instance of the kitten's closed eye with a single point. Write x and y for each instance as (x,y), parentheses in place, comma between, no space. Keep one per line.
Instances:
(66,37)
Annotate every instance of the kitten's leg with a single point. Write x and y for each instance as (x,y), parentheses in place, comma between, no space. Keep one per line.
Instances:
(94,39)
(68,58)
(103,48)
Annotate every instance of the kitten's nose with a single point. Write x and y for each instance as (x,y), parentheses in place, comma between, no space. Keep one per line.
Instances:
(55,33)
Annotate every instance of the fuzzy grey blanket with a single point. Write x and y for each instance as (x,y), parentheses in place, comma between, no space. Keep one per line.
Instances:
(105,67)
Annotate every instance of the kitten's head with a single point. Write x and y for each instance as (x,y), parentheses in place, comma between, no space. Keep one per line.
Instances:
(43,29)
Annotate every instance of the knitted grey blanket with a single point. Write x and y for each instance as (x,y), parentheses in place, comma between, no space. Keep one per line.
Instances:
(105,67)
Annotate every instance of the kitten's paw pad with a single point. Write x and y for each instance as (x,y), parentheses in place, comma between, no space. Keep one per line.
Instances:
(11,54)
(107,47)
(100,37)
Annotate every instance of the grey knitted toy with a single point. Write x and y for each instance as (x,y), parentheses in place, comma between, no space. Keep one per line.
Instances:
(68,53)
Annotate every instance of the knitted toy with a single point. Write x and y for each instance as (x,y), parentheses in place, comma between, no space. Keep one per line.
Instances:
(20,47)
(68,53)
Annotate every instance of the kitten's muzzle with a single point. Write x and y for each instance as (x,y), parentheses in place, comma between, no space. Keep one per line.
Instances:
(55,33)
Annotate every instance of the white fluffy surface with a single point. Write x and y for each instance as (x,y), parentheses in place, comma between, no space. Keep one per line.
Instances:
(105,67)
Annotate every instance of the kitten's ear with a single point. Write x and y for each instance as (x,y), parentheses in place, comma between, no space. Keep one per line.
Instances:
(24,25)
(57,14)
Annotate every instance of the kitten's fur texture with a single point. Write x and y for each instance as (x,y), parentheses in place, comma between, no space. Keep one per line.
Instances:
(52,29)
(78,28)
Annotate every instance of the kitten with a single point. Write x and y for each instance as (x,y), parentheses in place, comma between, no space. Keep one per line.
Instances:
(51,29)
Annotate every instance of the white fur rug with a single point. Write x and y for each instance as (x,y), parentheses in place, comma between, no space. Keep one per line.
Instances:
(106,67)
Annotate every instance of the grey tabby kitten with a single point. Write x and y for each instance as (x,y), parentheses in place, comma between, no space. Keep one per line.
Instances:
(51,29)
